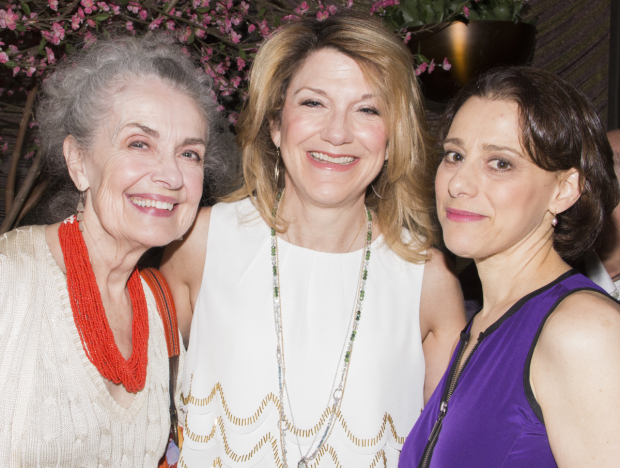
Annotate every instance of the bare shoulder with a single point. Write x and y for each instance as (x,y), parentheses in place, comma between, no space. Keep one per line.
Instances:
(442,298)
(183,266)
(184,258)
(585,321)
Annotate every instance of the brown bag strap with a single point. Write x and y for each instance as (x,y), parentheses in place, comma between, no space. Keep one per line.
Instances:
(165,307)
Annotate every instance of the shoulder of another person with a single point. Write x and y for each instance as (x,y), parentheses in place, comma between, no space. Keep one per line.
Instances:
(438,266)
(584,322)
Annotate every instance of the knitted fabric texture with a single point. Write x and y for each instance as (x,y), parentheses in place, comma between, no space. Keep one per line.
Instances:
(54,407)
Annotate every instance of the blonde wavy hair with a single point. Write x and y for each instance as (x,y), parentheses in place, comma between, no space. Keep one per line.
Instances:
(406,183)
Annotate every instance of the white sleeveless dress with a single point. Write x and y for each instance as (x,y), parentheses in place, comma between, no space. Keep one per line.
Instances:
(230,386)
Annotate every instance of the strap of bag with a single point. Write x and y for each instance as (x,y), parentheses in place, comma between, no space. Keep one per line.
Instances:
(165,307)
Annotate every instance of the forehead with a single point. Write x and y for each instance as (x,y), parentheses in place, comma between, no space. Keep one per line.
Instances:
(330,68)
(482,120)
(153,102)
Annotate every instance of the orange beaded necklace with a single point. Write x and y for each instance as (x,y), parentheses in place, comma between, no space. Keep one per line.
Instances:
(90,318)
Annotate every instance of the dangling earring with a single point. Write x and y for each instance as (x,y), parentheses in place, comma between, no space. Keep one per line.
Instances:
(373,189)
(80,211)
(276,172)
(554,221)
(372,184)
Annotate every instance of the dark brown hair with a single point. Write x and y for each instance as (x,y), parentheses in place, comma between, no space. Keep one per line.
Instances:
(560,130)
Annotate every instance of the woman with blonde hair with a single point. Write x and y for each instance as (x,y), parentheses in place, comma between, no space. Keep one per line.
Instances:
(322,317)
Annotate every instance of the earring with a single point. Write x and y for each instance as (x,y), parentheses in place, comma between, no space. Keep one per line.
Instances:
(554,221)
(373,189)
(277,169)
(80,211)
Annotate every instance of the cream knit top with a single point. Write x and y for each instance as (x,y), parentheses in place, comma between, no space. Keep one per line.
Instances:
(54,407)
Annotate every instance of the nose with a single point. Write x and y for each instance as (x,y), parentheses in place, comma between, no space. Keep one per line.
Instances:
(168,174)
(464,181)
(338,128)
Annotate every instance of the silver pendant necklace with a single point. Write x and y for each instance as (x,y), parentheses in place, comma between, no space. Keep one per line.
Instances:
(335,396)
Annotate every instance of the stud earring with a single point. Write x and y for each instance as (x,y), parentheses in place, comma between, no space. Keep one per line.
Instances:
(80,211)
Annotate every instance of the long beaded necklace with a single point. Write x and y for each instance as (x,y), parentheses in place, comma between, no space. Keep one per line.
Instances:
(337,395)
(90,318)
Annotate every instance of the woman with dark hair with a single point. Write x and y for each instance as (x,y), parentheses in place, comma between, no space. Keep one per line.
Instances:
(84,369)
(322,317)
(524,186)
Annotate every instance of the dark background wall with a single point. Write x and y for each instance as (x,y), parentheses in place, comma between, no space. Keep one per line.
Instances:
(574,40)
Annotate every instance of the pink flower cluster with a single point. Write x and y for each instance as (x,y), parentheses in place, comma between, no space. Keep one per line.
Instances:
(382,5)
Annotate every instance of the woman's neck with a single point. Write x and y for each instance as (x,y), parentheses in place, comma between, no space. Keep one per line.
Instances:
(112,260)
(325,229)
(508,276)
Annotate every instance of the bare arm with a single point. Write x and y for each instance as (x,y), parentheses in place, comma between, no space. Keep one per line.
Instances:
(442,317)
(182,265)
(575,376)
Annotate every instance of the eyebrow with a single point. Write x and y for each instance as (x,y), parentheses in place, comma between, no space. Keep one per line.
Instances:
(485,146)
(193,141)
(149,131)
(323,93)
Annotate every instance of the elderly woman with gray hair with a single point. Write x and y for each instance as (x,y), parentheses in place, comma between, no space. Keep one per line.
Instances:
(84,377)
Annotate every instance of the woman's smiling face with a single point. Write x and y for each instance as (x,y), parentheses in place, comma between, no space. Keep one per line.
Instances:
(490,196)
(331,134)
(144,172)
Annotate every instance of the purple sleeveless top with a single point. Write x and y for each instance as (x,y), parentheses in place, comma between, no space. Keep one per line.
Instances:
(491,419)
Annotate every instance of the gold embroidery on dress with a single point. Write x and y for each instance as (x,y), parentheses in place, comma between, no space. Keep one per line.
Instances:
(387,419)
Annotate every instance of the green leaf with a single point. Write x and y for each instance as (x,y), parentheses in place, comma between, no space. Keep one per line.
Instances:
(25,7)
(262,12)
(20,28)
(276,21)
(11,64)
(242,54)
(190,39)
(102,17)
(202,10)
(42,44)
(124,2)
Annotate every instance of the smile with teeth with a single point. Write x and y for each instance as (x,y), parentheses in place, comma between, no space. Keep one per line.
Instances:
(152,203)
(343,161)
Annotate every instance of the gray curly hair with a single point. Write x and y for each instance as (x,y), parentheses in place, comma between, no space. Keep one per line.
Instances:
(76,101)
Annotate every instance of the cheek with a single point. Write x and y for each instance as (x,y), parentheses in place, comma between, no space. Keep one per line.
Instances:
(193,181)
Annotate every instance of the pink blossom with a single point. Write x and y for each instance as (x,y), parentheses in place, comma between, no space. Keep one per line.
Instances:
(170,25)
(58,31)
(4,58)
(5,147)
(321,15)
(236,19)
(142,14)
(244,7)
(81,13)
(185,51)
(53,4)
(29,155)
(185,36)
(220,108)
(264,29)
(431,67)
(236,38)
(302,8)
(9,92)
(133,7)
(91,23)
(8,19)
(75,22)
(116,9)
(200,33)
(89,39)
(155,23)
(240,63)
(51,58)
(232,118)
(421,69)
(13,49)
(16,70)
(407,38)
(291,18)
(332,9)
(349,3)
(33,124)
(88,5)
(236,81)
(446,65)
(466,12)
(129,26)
(220,69)
(251,28)
(382,5)
(103,6)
